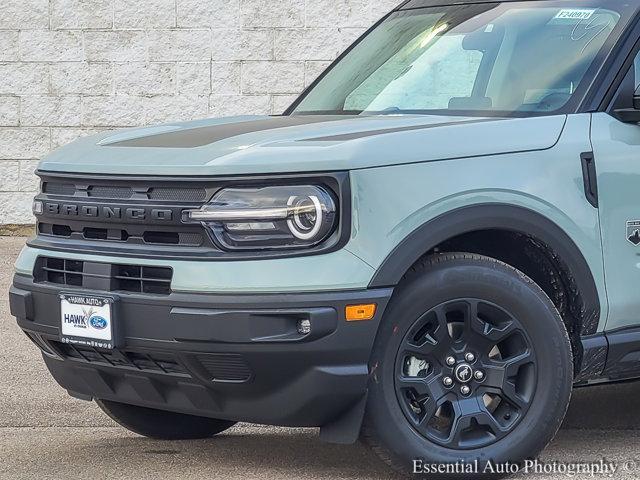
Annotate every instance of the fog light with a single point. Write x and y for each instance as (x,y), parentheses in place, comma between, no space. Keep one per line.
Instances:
(304,327)
(37,208)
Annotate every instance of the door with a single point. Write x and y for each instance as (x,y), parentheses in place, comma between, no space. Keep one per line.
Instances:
(616,147)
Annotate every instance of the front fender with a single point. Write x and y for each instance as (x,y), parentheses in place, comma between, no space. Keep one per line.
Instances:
(401,212)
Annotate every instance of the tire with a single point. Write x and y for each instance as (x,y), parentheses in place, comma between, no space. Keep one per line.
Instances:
(448,306)
(162,425)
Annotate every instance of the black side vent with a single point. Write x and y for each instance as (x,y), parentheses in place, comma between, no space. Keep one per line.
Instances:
(590,177)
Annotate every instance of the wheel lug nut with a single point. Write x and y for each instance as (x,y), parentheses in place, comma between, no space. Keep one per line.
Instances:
(450,361)
(448,381)
(469,357)
(464,390)
(479,375)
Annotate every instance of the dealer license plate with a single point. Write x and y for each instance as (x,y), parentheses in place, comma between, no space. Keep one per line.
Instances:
(87,320)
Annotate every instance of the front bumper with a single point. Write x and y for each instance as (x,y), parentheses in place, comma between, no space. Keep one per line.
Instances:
(233,357)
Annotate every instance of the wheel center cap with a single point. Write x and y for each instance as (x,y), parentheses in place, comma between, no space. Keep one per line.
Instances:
(463,373)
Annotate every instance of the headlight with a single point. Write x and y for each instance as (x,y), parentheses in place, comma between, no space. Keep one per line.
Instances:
(278,217)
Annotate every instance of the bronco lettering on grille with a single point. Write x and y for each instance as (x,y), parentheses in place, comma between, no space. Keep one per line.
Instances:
(107,212)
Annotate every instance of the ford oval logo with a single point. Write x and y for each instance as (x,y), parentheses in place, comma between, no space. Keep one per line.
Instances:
(99,323)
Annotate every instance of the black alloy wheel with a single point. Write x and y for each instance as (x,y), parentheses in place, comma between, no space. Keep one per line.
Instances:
(465,374)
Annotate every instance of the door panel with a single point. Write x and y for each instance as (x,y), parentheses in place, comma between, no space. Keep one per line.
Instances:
(616,146)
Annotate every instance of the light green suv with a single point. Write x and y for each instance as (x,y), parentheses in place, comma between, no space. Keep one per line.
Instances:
(427,251)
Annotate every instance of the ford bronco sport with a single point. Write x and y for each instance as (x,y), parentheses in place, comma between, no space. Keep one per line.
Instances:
(427,251)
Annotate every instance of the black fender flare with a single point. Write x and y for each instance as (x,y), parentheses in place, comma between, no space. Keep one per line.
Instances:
(500,217)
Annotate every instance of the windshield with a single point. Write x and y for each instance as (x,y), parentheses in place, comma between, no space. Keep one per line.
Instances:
(509,58)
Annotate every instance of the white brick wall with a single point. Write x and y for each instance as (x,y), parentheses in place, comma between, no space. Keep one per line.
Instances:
(75,67)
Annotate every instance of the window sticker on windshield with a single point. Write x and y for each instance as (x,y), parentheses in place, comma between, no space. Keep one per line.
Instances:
(574,14)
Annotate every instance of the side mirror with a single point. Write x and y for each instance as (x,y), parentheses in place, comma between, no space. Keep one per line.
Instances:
(630,115)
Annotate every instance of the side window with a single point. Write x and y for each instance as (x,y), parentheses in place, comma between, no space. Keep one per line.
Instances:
(427,81)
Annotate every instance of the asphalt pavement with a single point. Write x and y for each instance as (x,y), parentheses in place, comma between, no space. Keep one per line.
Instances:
(44,434)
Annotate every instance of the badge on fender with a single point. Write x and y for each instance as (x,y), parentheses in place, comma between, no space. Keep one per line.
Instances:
(633,231)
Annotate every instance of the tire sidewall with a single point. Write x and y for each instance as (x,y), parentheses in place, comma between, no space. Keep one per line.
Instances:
(492,281)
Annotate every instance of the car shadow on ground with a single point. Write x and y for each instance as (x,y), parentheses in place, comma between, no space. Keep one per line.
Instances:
(295,454)
(602,423)
(597,426)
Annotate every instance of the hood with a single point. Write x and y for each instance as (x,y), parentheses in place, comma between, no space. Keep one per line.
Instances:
(263,145)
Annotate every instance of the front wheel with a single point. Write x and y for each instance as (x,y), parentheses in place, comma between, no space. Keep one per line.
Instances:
(472,367)
(162,425)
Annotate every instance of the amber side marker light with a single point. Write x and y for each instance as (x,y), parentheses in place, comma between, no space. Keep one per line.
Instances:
(358,313)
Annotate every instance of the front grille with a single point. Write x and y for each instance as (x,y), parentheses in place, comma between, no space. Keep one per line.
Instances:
(116,215)
(104,190)
(154,362)
(226,367)
(104,276)
(125,234)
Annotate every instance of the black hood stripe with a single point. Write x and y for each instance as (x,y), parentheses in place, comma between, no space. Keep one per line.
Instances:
(372,133)
(199,137)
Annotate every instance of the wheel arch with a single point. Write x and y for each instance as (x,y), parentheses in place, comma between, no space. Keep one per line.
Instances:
(557,247)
